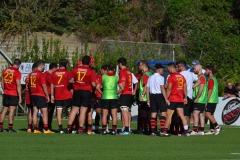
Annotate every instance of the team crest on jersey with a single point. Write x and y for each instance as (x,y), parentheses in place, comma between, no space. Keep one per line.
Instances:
(231,112)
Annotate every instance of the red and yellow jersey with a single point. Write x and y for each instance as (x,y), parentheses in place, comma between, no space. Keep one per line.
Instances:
(9,77)
(83,76)
(61,79)
(27,91)
(49,81)
(177,92)
(126,76)
(36,80)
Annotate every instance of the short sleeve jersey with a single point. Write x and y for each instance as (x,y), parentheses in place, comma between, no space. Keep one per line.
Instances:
(154,83)
(36,80)
(177,92)
(126,76)
(61,79)
(27,94)
(49,81)
(9,77)
(83,76)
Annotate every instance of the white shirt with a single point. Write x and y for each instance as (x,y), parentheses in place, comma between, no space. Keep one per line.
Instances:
(195,76)
(154,83)
(134,80)
(189,81)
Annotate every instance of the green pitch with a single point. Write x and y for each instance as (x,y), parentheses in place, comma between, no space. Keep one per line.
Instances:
(29,146)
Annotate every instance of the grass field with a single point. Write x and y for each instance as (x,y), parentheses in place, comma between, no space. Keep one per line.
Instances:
(23,145)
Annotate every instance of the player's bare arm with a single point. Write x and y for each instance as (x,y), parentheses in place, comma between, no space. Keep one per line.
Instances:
(196,84)
(98,88)
(135,89)
(121,88)
(19,90)
(185,93)
(169,88)
(164,93)
(52,93)
(46,91)
(93,84)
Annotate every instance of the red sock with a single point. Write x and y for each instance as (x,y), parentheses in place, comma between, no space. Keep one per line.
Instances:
(114,127)
(153,124)
(162,122)
(10,126)
(80,129)
(1,125)
(104,127)
(195,128)
(29,126)
(89,128)
(35,126)
(45,126)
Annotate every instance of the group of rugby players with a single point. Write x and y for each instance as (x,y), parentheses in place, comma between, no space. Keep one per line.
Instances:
(82,90)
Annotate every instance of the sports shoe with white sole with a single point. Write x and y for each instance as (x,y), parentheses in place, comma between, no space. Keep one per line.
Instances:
(201,133)
(193,133)
(218,130)
(165,134)
(211,132)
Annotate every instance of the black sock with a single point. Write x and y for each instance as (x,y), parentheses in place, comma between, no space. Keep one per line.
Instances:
(60,126)
(126,129)
(215,125)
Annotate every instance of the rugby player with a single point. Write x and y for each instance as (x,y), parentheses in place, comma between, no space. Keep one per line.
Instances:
(39,96)
(200,100)
(60,91)
(109,101)
(11,85)
(144,111)
(157,99)
(212,100)
(177,97)
(51,107)
(188,108)
(84,78)
(103,71)
(125,92)
(28,103)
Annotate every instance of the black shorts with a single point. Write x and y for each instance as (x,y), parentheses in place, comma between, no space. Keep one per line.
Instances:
(126,100)
(188,108)
(29,106)
(96,103)
(157,102)
(109,103)
(199,106)
(82,98)
(39,102)
(211,107)
(63,103)
(9,100)
(144,110)
(174,105)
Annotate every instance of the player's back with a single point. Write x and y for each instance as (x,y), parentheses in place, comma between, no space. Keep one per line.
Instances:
(36,79)
(10,75)
(61,79)
(83,76)
(177,91)
(126,76)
